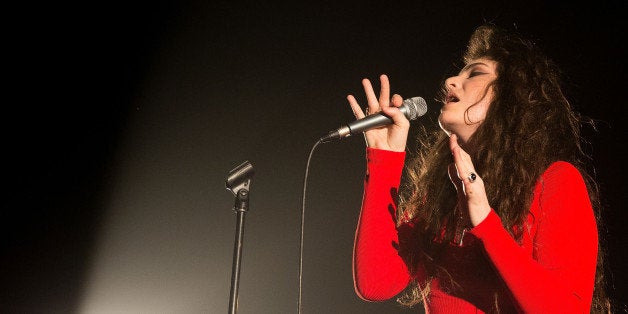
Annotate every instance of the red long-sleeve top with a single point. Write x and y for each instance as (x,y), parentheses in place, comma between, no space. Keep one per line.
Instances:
(551,270)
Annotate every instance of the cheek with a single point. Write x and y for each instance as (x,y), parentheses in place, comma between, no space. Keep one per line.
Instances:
(477,112)
(445,117)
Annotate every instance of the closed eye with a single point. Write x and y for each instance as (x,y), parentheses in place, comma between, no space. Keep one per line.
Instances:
(475,73)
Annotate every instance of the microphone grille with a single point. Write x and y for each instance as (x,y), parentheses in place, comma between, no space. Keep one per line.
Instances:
(416,107)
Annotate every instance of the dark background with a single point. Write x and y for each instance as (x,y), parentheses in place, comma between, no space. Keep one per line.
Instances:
(122,120)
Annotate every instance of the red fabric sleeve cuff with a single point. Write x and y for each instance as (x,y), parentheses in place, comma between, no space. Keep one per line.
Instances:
(384,162)
(488,226)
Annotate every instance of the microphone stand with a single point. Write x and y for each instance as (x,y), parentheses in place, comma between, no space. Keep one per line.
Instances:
(238,183)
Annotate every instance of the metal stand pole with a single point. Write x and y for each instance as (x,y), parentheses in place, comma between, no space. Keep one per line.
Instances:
(238,183)
(241,198)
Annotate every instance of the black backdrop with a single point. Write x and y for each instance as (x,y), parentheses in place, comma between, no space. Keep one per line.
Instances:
(122,120)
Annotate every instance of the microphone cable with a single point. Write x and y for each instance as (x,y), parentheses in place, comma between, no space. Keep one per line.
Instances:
(307,169)
(412,108)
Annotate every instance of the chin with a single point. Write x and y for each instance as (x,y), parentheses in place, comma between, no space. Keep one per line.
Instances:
(442,127)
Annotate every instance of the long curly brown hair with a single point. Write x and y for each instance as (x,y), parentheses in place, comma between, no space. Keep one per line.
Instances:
(529,125)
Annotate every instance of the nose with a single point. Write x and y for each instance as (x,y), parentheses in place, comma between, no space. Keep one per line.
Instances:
(452,82)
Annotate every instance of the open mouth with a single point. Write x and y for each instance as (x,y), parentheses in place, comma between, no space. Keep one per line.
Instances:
(452,98)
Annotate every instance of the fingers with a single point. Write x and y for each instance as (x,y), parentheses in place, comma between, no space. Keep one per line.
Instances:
(355,107)
(392,137)
(393,111)
(462,160)
(472,185)
(396,100)
(454,178)
(384,91)
(383,103)
(375,104)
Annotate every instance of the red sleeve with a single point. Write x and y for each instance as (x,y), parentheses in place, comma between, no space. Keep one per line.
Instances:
(379,273)
(559,276)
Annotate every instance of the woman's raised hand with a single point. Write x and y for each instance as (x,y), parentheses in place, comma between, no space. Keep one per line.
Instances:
(470,186)
(392,137)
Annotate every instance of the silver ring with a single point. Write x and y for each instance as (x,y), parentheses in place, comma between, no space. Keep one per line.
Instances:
(472,176)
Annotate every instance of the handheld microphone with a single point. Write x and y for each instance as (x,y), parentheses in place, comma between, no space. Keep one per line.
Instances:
(412,108)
